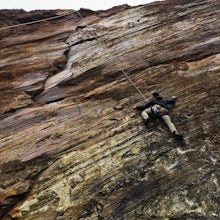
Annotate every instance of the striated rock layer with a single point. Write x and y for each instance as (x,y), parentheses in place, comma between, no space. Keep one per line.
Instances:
(73,147)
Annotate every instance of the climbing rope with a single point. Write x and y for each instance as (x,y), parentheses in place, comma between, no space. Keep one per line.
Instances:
(96,36)
(38,21)
(122,70)
(129,79)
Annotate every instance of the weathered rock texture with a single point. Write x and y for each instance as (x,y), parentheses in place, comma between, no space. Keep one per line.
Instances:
(73,147)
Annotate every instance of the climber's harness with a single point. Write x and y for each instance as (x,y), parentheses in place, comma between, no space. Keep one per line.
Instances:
(158,110)
(155,110)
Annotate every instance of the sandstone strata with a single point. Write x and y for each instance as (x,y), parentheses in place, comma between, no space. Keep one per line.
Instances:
(73,147)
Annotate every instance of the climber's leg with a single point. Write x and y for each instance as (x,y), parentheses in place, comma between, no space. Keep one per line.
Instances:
(145,115)
(171,126)
(169,123)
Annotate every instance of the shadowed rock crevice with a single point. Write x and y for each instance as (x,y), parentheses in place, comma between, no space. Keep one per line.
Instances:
(83,41)
(25,174)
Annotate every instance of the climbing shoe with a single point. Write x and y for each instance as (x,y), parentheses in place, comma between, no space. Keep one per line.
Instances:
(178,136)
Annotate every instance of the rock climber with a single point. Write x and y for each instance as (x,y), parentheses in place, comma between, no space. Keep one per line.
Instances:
(159,107)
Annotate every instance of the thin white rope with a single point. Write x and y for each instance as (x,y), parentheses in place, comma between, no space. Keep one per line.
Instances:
(139,91)
(62,15)
(122,70)
(38,21)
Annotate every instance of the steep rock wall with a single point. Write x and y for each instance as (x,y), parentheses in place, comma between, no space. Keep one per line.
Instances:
(73,147)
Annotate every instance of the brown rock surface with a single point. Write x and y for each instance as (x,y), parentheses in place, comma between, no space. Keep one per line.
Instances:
(73,147)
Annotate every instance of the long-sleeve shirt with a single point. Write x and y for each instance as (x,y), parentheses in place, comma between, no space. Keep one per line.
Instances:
(158,101)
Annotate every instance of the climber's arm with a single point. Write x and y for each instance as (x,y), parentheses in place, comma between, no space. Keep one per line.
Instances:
(171,101)
(142,107)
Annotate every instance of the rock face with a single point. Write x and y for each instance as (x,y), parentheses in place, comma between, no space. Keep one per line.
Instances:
(73,147)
